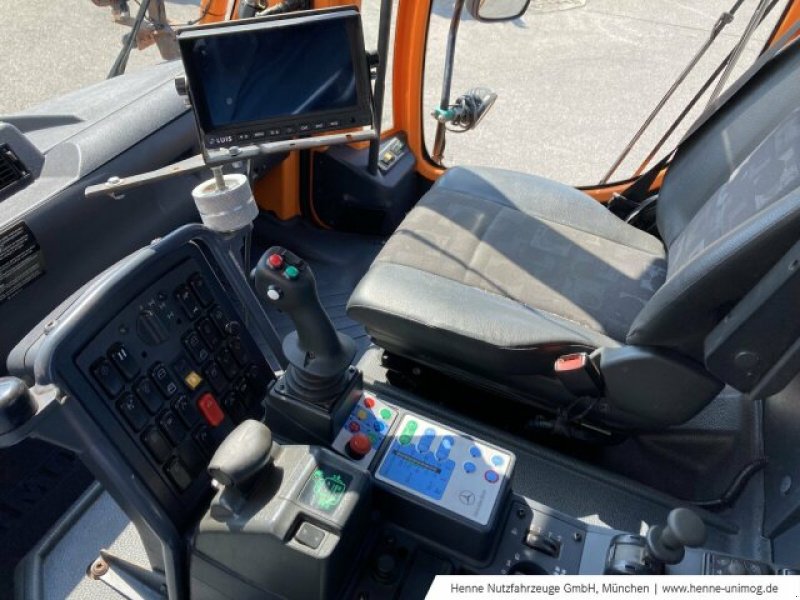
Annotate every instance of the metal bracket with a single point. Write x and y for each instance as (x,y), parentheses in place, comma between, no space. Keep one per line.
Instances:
(115,185)
(127,579)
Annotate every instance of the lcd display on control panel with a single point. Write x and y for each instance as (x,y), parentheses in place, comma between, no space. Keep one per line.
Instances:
(277,78)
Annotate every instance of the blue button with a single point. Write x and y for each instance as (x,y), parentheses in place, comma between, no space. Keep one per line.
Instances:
(430,431)
(443,451)
(469,467)
(491,476)
(448,441)
(379,425)
(425,442)
(475,452)
(497,460)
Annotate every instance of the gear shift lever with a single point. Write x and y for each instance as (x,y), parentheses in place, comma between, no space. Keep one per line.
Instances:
(684,529)
(318,355)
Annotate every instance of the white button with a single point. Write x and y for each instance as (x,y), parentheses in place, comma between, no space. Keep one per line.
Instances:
(274,293)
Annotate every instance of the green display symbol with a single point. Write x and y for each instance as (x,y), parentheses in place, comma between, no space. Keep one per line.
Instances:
(328,490)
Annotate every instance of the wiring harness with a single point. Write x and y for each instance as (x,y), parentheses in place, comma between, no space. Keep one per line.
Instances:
(467,111)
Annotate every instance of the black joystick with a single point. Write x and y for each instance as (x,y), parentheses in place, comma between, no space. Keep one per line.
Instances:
(319,356)
(631,554)
(684,529)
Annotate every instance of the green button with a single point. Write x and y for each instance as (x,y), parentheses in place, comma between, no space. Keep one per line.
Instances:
(405,440)
(386,414)
(372,438)
(291,272)
(411,426)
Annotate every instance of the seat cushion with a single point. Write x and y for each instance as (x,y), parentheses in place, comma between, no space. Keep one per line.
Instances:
(496,266)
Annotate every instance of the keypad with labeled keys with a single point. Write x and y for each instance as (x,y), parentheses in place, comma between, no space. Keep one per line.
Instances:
(177,394)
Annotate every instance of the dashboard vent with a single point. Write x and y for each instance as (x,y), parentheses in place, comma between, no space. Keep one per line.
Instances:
(12,171)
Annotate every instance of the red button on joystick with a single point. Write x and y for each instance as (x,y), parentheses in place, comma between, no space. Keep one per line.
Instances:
(358,446)
(275,261)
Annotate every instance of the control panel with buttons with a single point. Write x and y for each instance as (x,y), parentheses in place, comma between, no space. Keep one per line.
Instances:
(365,429)
(390,152)
(537,541)
(453,470)
(718,564)
(175,372)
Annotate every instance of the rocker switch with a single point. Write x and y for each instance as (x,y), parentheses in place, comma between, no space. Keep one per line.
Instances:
(543,543)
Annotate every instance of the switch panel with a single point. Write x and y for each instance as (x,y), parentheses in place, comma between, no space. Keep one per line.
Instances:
(539,542)
(370,419)
(447,468)
(175,372)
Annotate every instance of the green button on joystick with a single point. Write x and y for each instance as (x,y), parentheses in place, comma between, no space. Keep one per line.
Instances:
(291,272)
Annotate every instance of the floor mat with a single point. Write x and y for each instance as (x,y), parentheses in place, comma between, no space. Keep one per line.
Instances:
(38,482)
(339,261)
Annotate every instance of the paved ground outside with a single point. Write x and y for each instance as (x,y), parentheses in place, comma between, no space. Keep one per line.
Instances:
(575,78)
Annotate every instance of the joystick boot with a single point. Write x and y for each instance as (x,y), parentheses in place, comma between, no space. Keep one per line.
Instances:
(663,545)
(319,356)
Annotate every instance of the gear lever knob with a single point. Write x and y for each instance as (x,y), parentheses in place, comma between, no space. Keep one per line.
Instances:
(245,453)
(684,529)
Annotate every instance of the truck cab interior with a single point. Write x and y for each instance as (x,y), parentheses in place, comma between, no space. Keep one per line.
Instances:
(247,331)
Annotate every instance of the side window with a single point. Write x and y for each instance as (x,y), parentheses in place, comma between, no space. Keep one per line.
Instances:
(576,79)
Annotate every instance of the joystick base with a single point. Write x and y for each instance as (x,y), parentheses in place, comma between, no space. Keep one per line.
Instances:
(293,415)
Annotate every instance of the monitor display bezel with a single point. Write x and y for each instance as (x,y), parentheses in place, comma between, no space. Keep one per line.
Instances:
(280,127)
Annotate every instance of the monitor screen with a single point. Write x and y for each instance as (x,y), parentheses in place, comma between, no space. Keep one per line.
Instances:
(277,78)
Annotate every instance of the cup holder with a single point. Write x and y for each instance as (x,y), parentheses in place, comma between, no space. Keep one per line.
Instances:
(527,567)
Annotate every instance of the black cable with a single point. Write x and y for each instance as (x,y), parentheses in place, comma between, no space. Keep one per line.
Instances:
(465,111)
(703,89)
(736,487)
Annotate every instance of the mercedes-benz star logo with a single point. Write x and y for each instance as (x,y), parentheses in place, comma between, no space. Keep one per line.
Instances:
(467,497)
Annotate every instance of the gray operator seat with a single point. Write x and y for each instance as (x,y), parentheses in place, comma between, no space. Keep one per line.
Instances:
(494,274)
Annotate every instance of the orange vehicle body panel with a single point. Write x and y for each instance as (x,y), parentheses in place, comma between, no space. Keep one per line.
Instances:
(790,16)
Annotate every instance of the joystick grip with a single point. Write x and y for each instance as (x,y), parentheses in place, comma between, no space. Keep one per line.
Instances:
(318,355)
(285,281)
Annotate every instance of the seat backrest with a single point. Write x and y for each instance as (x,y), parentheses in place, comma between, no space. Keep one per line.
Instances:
(729,208)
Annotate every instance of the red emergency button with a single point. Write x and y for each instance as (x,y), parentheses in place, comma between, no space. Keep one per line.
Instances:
(275,261)
(359,446)
(209,408)
(369,401)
